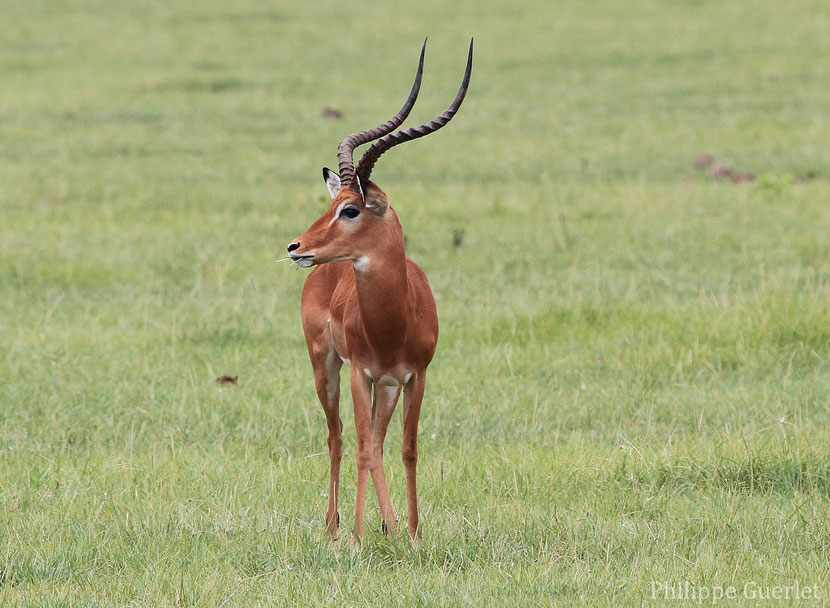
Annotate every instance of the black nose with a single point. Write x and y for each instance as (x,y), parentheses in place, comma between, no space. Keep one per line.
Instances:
(293,246)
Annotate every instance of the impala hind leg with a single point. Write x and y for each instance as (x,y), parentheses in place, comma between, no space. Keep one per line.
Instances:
(412,397)
(327,382)
(385,398)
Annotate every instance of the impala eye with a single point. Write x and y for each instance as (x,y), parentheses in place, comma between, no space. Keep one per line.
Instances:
(350,212)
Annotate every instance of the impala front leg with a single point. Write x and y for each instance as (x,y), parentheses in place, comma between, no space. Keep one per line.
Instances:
(362,397)
(327,380)
(335,442)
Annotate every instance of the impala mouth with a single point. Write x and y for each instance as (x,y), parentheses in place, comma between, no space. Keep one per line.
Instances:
(303,260)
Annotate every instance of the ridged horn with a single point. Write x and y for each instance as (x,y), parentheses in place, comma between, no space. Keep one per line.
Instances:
(346,148)
(367,162)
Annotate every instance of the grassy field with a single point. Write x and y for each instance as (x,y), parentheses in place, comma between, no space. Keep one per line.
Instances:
(633,377)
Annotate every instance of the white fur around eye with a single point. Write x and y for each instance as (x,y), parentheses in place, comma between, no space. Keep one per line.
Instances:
(337,213)
(339,210)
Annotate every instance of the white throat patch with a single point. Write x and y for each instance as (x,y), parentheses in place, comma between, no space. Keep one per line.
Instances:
(361,263)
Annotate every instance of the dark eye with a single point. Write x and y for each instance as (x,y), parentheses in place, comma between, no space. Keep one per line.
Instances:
(350,212)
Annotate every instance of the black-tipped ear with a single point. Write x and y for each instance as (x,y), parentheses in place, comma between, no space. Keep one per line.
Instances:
(332,181)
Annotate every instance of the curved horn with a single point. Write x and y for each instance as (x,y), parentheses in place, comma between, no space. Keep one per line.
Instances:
(346,148)
(367,162)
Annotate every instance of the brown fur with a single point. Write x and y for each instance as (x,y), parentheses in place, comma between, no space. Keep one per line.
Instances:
(382,319)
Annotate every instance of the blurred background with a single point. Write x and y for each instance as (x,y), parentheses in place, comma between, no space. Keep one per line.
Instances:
(625,228)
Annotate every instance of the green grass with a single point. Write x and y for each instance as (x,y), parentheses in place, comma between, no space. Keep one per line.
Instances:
(632,380)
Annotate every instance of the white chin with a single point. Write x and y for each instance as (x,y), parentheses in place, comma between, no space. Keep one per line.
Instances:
(305,263)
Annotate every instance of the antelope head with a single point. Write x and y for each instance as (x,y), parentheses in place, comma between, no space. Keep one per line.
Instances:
(359,219)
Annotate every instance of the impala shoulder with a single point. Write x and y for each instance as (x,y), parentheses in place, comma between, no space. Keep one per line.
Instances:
(415,274)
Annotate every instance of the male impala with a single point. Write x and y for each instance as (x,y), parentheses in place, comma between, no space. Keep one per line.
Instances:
(369,306)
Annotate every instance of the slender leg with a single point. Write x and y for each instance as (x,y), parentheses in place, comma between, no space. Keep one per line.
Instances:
(327,382)
(412,397)
(384,406)
(362,397)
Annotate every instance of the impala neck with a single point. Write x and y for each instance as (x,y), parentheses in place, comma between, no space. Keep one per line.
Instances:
(381,285)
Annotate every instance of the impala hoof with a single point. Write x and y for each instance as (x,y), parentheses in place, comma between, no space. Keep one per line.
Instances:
(384,527)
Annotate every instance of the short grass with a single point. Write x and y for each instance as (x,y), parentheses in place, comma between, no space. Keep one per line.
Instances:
(632,381)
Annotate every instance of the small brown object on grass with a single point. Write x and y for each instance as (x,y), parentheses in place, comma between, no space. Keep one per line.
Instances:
(330,112)
(718,171)
(742,176)
(227,379)
(703,160)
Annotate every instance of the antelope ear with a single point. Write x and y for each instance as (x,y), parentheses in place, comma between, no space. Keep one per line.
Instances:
(375,199)
(332,181)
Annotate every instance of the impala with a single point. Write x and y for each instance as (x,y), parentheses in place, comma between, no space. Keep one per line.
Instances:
(366,304)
